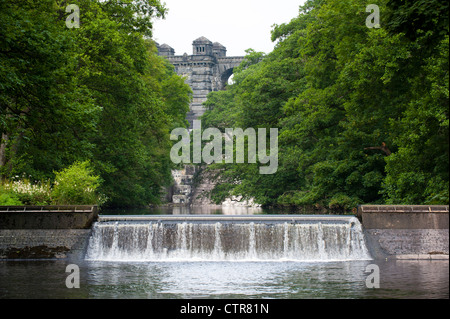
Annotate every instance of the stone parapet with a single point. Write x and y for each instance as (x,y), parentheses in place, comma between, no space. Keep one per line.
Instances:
(47,217)
(406,231)
(45,232)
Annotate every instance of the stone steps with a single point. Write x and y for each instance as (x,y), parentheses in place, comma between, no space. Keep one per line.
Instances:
(183,188)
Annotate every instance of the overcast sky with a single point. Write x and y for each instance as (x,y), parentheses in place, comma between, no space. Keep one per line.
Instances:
(236,24)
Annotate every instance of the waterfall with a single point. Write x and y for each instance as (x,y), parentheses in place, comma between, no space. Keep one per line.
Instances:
(197,240)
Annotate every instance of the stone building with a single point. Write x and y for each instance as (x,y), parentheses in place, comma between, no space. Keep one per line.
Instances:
(207,69)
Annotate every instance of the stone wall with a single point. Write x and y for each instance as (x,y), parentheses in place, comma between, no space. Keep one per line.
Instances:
(43,243)
(43,232)
(413,242)
(406,232)
(204,184)
(47,217)
(206,70)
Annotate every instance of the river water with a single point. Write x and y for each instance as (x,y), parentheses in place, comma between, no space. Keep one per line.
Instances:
(110,275)
(286,280)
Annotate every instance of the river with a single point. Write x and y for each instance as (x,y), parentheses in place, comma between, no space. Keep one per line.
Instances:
(217,278)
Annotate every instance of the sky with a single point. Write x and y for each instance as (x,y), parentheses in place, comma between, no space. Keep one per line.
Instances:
(236,24)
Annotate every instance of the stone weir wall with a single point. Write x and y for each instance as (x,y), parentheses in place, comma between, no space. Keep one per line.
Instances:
(406,232)
(400,232)
(41,232)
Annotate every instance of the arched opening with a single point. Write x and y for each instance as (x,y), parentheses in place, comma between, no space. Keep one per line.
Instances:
(225,78)
(230,80)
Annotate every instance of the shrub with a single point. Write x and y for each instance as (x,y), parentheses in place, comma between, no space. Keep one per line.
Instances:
(23,192)
(8,198)
(76,185)
(343,202)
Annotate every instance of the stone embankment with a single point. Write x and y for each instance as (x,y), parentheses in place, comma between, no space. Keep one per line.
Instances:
(406,232)
(45,232)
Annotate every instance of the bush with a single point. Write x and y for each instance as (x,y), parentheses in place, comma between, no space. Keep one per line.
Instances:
(76,185)
(8,198)
(23,192)
(343,202)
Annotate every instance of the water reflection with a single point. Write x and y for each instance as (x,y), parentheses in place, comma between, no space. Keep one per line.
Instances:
(229,280)
(296,280)
(187,210)
(414,279)
(286,280)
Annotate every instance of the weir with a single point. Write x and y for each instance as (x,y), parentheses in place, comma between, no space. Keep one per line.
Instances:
(227,238)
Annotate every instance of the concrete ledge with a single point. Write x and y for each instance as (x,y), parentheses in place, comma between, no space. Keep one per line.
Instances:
(422,257)
(403,208)
(45,232)
(47,217)
(344,219)
(408,232)
(404,217)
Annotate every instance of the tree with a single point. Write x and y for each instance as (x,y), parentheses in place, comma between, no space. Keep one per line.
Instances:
(47,118)
(362,113)
(98,93)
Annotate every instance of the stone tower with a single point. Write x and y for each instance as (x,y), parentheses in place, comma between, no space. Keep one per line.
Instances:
(202,46)
(165,50)
(207,69)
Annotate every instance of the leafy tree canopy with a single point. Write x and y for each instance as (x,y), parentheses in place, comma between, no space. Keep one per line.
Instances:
(98,92)
(362,113)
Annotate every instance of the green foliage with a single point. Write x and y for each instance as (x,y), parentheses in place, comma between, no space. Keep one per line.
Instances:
(97,93)
(418,172)
(76,185)
(8,198)
(26,192)
(362,113)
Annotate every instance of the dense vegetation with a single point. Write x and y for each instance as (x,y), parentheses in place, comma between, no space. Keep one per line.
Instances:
(94,104)
(362,112)
(85,113)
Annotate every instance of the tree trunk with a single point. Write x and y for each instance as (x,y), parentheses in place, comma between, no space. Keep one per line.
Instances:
(3,143)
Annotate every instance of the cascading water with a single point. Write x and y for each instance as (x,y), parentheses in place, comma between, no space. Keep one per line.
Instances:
(223,240)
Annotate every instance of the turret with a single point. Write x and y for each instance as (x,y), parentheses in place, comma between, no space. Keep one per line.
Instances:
(166,50)
(219,50)
(202,46)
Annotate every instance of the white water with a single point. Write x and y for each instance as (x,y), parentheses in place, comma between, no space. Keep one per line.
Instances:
(147,241)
